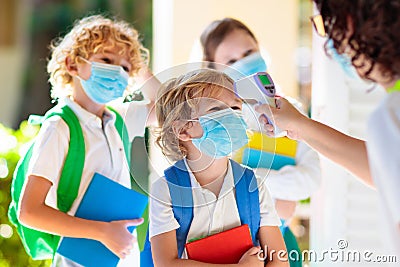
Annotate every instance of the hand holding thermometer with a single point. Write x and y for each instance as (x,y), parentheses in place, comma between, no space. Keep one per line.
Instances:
(258,89)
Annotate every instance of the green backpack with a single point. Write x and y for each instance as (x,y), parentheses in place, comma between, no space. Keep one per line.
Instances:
(40,245)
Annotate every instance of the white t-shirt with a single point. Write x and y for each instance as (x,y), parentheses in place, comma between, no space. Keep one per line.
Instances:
(383,144)
(211,214)
(104,150)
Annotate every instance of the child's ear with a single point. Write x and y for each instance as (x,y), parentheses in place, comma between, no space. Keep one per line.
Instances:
(72,67)
(180,130)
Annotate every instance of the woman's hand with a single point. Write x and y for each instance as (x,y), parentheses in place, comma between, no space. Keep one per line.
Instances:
(285,116)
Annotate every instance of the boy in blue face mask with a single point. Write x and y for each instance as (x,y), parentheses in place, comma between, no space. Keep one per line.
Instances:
(291,169)
(88,68)
(200,125)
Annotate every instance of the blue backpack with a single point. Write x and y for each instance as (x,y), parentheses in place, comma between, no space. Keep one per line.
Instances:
(180,189)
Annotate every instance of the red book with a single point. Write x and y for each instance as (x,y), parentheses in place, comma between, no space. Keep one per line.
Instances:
(223,248)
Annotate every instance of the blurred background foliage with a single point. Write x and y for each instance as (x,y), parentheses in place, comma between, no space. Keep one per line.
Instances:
(49,19)
(54,18)
(13,143)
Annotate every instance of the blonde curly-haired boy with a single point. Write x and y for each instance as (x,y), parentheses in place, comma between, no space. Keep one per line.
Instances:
(200,125)
(90,67)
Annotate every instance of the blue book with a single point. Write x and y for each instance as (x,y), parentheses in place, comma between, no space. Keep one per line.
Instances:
(104,200)
(261,159)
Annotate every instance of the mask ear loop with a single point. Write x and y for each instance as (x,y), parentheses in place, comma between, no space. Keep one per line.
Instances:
(88,62)
(177,131)
(193,120)
(84,59)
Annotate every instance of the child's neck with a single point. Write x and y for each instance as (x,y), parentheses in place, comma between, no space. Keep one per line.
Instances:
(209,172)
(84,101)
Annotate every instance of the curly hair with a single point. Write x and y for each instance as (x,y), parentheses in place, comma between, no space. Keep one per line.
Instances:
(375,37)
(89,36)
(178,99)
(215,33)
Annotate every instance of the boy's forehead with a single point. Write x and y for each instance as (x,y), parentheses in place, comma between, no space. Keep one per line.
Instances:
(225,96)
(215,89)
(112,51)
(113,47)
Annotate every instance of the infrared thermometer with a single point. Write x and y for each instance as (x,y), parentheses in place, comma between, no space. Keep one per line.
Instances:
(258,88)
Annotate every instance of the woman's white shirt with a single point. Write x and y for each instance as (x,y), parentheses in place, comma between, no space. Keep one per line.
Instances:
(383,145)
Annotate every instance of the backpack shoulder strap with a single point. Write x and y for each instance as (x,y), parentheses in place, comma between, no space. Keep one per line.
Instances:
(247,198)
(71,174)
(123,133)
(180,190)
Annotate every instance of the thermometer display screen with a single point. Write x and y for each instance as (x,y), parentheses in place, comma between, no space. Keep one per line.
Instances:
(264,80)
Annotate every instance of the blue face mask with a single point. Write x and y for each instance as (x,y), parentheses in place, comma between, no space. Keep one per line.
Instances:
(224,131)
(106,83)
(343,60)
(348,68)
(246,66)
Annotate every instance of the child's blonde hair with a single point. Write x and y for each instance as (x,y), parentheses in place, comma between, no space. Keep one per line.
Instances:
(92,35)
(178,100)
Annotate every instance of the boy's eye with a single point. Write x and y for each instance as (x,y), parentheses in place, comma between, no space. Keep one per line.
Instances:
(230,62)
(125,68)
(106,60)
(213,109)
(236,108)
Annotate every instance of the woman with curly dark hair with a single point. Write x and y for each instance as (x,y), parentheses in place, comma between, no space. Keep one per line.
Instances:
(365,34)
